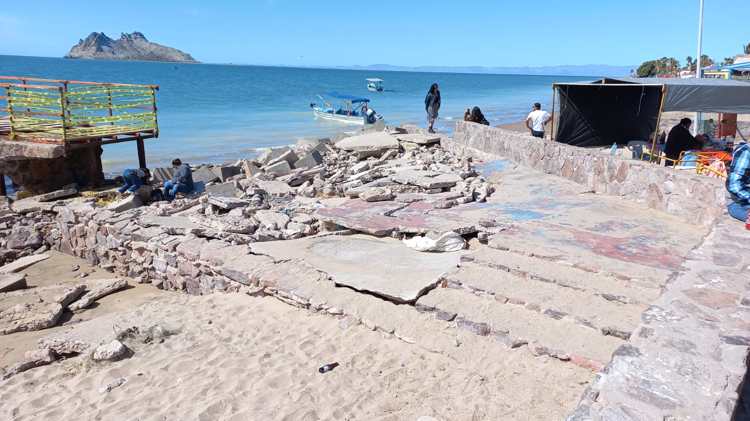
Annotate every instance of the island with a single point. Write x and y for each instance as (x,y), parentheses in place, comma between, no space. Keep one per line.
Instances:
(134,46)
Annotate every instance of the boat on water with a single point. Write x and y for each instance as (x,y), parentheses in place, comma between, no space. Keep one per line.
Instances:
(352,109)
(375,85)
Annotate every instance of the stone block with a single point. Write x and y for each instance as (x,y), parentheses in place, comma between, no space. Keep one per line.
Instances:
(130,202)
(275,188)
(22,263)
(56,195)
(280,168)
(227,203)
(426,179)
(269,155)
(162,174)
(223,190)
(309,160)
(12,282)
(370,144)
(225,171)
(204,175)
(250,168)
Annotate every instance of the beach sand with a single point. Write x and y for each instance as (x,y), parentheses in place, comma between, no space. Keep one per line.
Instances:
(236,357)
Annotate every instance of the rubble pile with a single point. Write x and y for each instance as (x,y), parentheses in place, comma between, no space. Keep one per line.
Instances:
(277,196)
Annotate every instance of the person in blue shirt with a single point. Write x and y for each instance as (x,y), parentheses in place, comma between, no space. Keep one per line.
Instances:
(181,182)
(738,182)
(134,179)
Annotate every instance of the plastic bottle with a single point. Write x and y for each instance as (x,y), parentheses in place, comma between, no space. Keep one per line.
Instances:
(613,149)
(328,367)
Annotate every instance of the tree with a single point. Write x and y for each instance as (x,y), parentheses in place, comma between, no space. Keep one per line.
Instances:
(690,63)
(647,69)
(747,49)
(728,61)
(706,61)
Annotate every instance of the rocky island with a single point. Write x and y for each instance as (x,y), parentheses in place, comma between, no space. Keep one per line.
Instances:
(132,46)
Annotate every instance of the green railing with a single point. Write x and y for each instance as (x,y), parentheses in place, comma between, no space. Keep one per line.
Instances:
(59,111)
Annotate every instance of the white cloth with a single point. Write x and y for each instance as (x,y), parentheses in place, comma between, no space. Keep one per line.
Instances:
(538,117)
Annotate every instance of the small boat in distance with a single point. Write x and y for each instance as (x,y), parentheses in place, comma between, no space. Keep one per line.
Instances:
(352,110)
(375,85)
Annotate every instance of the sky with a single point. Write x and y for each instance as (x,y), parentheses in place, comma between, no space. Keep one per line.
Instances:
(403,32)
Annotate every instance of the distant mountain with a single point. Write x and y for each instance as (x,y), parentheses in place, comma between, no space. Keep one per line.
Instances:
(562,70)
(133,46)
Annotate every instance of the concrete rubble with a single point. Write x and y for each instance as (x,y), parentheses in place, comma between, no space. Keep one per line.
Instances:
(548,269)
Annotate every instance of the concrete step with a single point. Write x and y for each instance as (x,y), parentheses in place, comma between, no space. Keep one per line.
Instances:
(517,326)
(606,286)
(580,306)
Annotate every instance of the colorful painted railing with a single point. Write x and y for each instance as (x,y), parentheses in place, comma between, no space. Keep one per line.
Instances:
(59,111)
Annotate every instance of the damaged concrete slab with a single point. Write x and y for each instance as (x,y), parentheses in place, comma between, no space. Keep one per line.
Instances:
(384,267)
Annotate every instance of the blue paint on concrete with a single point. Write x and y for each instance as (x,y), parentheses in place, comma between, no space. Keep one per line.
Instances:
(489,167)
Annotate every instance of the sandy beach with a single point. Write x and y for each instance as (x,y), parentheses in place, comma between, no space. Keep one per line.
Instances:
(235,357)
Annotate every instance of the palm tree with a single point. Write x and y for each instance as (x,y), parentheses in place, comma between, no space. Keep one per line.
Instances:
(689,65)
(747,49)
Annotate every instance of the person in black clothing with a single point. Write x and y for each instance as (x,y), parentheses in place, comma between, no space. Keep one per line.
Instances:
(477,117)
(432,106)
(680,140)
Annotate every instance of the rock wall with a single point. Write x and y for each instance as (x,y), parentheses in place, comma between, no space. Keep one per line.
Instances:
(82,166)
(697,199)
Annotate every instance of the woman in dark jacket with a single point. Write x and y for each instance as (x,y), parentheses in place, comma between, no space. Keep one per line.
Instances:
(478,117)
(432,106)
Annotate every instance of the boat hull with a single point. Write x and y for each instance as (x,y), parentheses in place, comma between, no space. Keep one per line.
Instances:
(355,120)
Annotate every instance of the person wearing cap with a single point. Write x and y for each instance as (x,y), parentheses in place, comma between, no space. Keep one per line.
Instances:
(537,119)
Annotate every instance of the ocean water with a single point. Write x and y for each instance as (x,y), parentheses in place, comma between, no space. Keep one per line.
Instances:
(210,113)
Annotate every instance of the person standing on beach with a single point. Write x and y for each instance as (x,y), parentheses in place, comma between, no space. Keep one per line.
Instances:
(432,106)
(537,119)
(182,182)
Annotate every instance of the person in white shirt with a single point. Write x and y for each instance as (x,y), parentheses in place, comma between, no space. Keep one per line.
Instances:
(537,119)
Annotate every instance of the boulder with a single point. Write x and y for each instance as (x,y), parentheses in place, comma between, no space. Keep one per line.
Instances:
(204,175)
(376,194)
(228,189)
(112,351)
(96,291)
(289,156)
(32,359)
(279,168)
(274,188)
(369,144)
(12,281)
(309,160)
(272,220)
(35,309)
(225,171)
(269,155)
(250,168)
(23,237)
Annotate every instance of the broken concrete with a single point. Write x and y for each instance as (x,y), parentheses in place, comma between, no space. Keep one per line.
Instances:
(35,309)
(96,291)
(370,144)
(12,282)
(394,271)
(22,263)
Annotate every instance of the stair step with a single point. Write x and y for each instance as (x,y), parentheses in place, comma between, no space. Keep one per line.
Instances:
(582,306)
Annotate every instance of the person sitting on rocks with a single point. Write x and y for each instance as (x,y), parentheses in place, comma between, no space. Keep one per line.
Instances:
(738,183)
(476,116)
(134,179)
(182,182)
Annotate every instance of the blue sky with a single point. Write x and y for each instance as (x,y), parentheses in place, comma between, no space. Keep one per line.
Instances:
(405,32)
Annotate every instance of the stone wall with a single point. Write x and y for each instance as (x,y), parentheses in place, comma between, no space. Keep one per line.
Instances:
(82,166)
(696,199)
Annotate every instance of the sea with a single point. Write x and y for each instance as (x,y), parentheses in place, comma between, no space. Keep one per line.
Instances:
(217,113)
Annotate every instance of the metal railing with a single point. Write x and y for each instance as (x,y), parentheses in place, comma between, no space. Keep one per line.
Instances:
(60,111)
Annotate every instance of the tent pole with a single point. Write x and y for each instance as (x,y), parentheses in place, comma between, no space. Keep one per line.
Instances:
(552,129)
(658,121)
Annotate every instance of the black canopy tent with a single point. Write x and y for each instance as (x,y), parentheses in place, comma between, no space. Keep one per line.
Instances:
(608,111)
